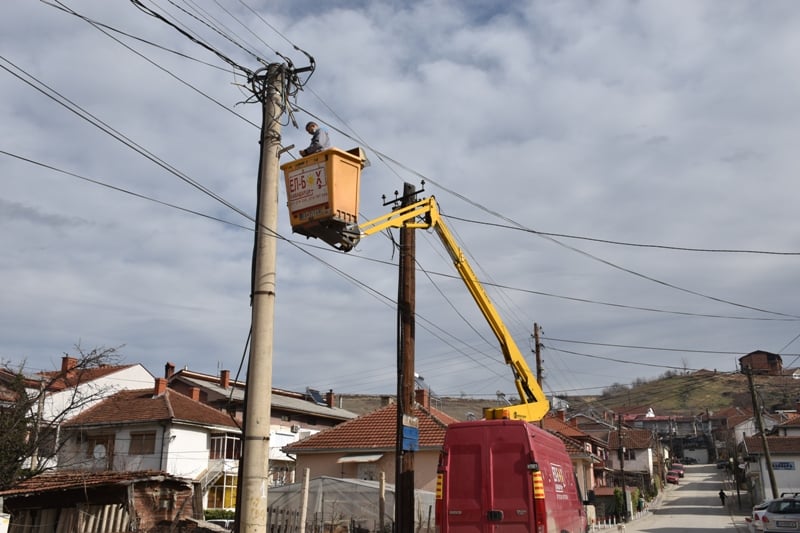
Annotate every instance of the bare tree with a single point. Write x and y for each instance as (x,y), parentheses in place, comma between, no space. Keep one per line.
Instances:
(33,407)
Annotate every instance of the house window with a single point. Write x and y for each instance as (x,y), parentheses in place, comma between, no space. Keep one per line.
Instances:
(225,446)
(143,443)
(368,471)
(100,449)
(47,441)
(99,446)
(222,494)
(630,455)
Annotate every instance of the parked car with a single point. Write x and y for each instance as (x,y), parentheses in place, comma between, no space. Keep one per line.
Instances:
(689,461)
(673,476)
(755,520)
(678,467)
(782,515)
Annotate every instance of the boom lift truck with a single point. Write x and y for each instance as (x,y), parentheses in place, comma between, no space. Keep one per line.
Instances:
(499,473)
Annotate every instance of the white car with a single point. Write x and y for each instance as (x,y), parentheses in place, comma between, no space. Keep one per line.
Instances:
(782,515)
(755,522)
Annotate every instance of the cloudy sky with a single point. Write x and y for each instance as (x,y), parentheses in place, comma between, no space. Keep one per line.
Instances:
(618,172)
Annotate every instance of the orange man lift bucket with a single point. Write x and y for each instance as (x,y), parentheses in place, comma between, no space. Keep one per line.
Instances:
(323,195)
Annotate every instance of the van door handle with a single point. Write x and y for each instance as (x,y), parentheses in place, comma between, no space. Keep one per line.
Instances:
(494,515)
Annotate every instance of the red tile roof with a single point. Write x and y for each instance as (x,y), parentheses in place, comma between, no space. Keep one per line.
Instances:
(70,479)
(635,439)
(554,424)
(735,420)
(143,406)
(9,380)
(574,448)
(792,422)
(375,431)
(76,376)
(776,445)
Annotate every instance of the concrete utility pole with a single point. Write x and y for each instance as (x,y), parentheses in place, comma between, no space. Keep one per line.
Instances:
(620,437)
(760,426)
(255,471)
(407,424)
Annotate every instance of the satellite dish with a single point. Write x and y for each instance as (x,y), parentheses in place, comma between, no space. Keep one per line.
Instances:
(99,452)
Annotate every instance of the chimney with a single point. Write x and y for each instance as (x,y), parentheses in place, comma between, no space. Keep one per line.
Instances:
(423,397)
(330,398)
(194,393)
(68,363)
(386,400)
(169,369)
(562,415)
(161,387)
(224,378)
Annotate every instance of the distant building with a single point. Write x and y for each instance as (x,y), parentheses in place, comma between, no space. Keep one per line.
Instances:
(761,362)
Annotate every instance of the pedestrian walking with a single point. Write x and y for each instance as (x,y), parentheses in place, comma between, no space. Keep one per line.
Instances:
(722,497)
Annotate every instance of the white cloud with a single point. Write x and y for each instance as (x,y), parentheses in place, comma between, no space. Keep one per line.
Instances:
(628,121)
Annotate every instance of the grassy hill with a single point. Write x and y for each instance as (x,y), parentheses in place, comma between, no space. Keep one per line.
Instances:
(677,393)
(694,392)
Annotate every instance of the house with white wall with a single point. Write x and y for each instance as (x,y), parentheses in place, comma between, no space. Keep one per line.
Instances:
(68,391)
(157,429)
(79,387)
(785,455)
(293,415)
(637,452)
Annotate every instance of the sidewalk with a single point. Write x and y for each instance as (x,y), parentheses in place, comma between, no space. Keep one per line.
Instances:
(637,515)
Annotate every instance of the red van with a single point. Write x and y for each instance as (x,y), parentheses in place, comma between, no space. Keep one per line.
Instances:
(506,475)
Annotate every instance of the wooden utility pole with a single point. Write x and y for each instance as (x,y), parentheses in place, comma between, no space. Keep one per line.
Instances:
(538,350)
(760,426)
(252,516)
(407,424)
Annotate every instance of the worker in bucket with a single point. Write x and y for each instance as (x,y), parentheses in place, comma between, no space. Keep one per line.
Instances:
(319,139)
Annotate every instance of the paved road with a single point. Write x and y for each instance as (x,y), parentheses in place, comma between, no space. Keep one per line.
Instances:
(694,506)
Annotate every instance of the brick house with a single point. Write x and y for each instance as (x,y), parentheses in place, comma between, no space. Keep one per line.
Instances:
(761,362)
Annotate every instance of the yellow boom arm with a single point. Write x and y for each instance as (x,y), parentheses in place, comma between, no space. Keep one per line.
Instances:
(425,214)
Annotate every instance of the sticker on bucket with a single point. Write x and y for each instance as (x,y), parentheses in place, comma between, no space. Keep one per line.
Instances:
(307,187)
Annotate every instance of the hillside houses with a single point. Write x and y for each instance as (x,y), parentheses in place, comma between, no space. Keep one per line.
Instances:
(185,429)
